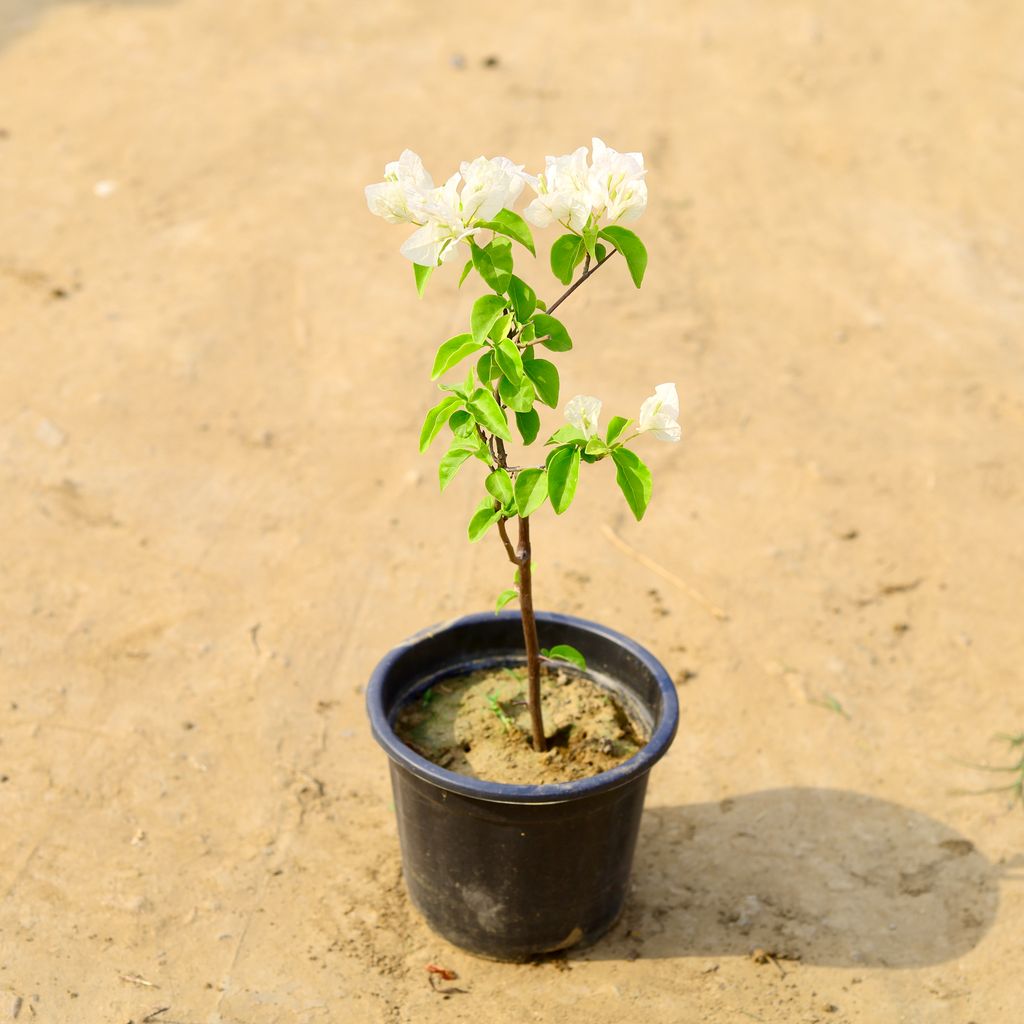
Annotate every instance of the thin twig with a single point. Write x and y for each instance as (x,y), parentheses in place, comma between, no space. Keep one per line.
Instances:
(509,549)
(490,450)
(137,979)
(588,271)
(671,577)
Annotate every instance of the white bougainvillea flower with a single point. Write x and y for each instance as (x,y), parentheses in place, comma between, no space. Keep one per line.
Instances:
(446,215)
(610,188)
(659,414)
(583,412)
(489,186)
(563,192)
(400,196)
(618,191)
(443,226)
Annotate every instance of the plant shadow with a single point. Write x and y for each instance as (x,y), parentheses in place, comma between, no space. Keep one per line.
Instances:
(20,16)
(828,877)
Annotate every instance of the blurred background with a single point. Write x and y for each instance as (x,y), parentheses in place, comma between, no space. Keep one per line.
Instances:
(213,369)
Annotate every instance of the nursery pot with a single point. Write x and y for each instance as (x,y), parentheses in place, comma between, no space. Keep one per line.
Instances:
(512,871)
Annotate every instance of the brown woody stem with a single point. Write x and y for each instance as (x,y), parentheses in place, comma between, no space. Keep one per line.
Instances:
(530,635)
(521,555)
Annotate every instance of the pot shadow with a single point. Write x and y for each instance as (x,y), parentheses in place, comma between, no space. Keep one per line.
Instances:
(20,16)
(828,877)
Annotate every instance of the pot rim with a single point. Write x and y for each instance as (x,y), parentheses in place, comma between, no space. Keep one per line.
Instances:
(501,792)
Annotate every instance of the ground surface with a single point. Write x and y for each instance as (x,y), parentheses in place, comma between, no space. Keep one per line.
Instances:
(214,519)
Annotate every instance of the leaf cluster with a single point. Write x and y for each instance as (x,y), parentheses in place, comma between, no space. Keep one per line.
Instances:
(507,380)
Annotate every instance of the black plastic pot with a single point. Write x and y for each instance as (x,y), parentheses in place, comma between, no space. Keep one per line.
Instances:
(510,872)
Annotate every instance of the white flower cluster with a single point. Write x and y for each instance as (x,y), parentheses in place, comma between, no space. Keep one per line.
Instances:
(570,191)
(659,414)
(444,215)
(609,188)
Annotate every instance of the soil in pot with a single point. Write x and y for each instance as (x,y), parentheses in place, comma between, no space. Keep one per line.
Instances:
(479,725)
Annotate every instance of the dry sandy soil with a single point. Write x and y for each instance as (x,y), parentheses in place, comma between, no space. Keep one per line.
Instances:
(214,519)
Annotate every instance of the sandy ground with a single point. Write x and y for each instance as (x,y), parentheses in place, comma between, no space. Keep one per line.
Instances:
(214,518)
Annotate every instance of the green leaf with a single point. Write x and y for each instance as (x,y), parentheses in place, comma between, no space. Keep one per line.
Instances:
(600,252)
(503,599)
(631,247)
(634,480)
(529,425)
(461,449)
(566,652)
(493,262)
(436,418)
(464,389)
(615,427)
(544,375)
(566,435)
(518,399)
(499,485)
(452,352)
(488,414)
(563,475)
(465,271)
(566,255)
(461,423)
(500,328)
(596,447)
(485,367)
(422,275)
(553,333)
(483,519)
(524,298)
(527,334)
(486,311)
(531,489)
(590,238)
(508,223)
(509,361)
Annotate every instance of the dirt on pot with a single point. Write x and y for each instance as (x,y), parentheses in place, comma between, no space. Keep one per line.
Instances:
(479,725)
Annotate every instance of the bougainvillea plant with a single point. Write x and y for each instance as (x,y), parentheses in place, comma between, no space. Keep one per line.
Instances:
(590,197)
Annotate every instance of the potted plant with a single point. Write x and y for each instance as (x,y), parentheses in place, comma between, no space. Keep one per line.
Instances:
(528,852)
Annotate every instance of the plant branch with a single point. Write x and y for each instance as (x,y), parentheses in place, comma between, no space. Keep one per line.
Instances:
(588,272)
(530,635)
(486,438)
(513,557)
(502,456)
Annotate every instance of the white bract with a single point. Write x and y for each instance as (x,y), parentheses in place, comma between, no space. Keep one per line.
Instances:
(563,192)
(489,186)
(399,197)
(617,185)
(583,412)
(659,414)
(443,226)
(571,192)
(445,216)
